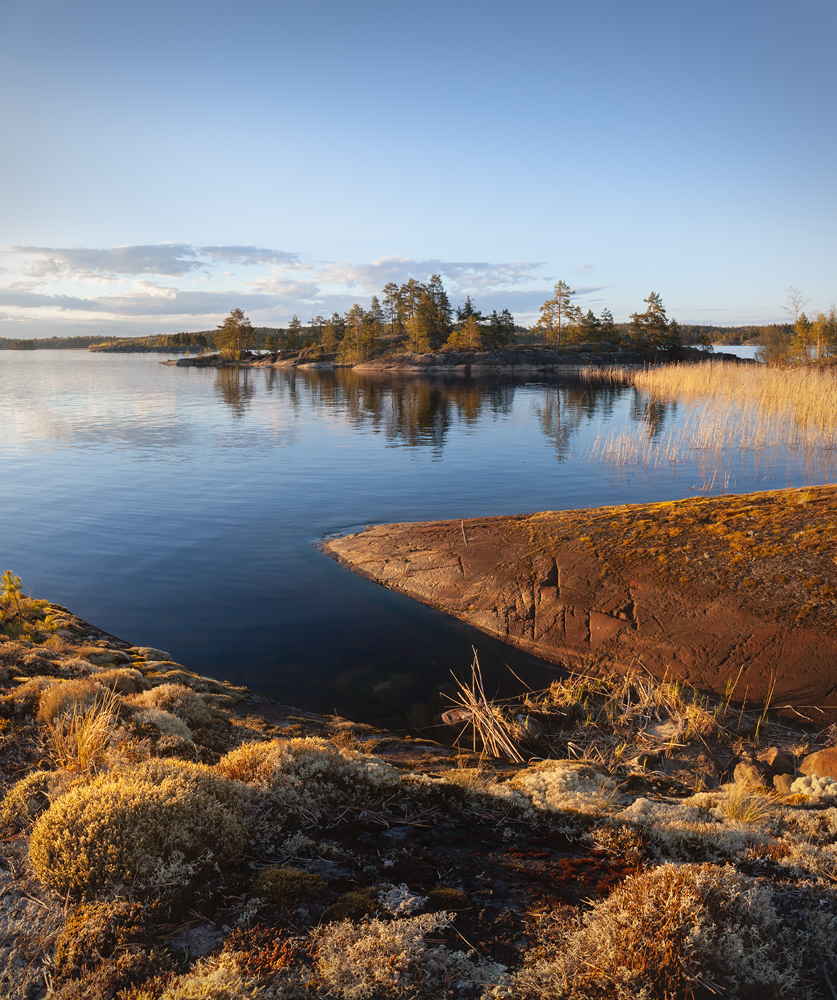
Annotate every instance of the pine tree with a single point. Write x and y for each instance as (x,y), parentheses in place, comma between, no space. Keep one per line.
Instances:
(467,309)
(653,328)
(803,338)
(553,314)
(417,335)
(607,327)
(591,327)
(468,337)
(500,330)
(394,306)
(234,335)
(294,335)
(352,344)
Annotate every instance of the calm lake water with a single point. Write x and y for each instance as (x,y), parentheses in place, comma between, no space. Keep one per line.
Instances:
(181,508)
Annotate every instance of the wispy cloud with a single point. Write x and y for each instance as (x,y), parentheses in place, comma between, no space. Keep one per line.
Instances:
(463,275)
(251,256)
(150,302)
(170,260)
(178,284)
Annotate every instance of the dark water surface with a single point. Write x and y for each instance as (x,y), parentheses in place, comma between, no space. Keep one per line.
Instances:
(181,508)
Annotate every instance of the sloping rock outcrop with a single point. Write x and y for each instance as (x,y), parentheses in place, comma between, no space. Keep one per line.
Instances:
(726,592)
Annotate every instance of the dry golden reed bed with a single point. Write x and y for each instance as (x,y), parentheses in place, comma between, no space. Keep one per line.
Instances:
(732,412)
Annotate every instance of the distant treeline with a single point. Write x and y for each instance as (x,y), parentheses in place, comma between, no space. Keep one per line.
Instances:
(166,342)
(737,335)
(49,343)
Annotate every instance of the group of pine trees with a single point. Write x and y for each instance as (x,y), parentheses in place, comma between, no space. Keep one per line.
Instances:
(809,339)
(416,314)
(561,322)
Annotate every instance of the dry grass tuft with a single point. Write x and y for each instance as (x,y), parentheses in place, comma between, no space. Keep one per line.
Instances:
(78,739)
(601,719)
(489,725)
(743,805)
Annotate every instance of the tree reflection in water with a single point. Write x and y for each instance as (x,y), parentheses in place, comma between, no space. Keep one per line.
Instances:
(236,388)
(419,411)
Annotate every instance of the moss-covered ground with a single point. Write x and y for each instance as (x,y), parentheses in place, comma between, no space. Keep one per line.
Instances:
(163,840)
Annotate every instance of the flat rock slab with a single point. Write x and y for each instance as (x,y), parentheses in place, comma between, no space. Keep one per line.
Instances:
(720,591)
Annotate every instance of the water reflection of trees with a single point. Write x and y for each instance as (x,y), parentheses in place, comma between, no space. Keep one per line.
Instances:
(654,412)
(420,412)
(235,388)
(570,404)
(412,412)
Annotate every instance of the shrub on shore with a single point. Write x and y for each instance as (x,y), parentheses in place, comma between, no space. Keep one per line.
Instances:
(307,778)
(139,826)
(677,931)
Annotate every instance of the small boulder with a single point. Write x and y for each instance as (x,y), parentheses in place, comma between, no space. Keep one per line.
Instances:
(150,653)
(822,763)
(782,783)
(747,773)
(109,658)
(777,760)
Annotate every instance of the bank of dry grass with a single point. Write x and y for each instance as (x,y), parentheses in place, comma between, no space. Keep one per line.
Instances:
(731,411)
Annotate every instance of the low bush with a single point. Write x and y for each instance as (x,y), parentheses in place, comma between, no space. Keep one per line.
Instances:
(391,959)
(63,696)
(179,700)
(145,826)
(94,932)
(287,886)
(308,778)
(210,979)
(122,680)
(677,932)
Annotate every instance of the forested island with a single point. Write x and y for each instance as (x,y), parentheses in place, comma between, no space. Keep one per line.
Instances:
(417,317)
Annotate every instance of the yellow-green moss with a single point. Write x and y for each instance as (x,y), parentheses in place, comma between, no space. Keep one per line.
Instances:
(287,886)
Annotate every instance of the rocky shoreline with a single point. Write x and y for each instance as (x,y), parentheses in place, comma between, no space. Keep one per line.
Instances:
(522,360)
(167,836)
(710,591)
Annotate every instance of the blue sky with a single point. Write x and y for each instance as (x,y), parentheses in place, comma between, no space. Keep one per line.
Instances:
(165,162)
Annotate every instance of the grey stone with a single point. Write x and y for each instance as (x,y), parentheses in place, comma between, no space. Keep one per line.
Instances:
(782,783)
(751,774)
(150,653)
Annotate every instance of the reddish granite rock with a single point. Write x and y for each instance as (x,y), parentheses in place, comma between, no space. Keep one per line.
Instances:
(711,591)
(823,763)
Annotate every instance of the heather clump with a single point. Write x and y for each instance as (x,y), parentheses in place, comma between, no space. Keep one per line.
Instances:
(64,695)
(140,826)
(31,795)
(379,958)
(309,778)
(677,931)
(178,700)
(104,948)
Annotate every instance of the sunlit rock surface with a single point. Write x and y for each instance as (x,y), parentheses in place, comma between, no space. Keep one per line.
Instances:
(732,591)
